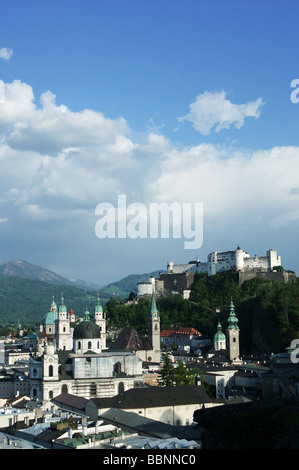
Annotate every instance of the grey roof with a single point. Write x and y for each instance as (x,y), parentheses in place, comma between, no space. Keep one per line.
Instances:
(66,400)
(149,427)
(155,396)
(87,330)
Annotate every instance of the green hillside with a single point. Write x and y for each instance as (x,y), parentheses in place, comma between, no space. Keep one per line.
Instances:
(268,312)
(28,300)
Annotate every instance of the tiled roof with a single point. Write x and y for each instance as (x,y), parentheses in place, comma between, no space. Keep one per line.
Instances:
(167,333)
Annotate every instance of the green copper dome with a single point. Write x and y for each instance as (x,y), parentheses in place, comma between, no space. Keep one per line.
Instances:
(219,336)
(98,308)
(62,307)
(49,318)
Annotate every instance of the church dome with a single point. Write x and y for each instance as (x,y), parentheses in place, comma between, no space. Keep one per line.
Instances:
(86,329)
(219,336)
(49,318)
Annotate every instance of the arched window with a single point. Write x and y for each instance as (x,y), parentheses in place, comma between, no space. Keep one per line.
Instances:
(64,388)
(121,387)
(50,371)
(79,344)
(117,368)
(89,345)
(98,344)
(50,394)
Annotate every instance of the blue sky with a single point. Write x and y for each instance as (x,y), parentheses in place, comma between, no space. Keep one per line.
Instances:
(170,100)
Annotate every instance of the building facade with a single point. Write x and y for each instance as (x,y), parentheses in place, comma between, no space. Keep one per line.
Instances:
(79,363)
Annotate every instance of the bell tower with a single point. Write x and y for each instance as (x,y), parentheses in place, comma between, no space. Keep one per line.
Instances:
(63,335)
(232,334)
(100,320)
(154,331)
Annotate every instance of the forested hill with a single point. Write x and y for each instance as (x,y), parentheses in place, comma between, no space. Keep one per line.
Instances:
(28,300)
(268,312)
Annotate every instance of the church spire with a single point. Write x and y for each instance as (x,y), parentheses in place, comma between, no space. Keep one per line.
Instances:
(153,308)
(232,319)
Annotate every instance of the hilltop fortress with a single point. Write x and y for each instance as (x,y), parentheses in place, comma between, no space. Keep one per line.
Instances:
(179,277)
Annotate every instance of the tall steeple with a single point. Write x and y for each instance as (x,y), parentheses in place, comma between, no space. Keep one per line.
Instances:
(154,330)
(100,320)
(232,334)
(63,335)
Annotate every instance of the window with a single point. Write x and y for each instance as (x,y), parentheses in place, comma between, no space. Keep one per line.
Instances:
(50,371)
(89,345)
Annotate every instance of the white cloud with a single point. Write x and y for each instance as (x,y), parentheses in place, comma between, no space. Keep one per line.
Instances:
(5,53)
(215,110)
(58,165)
(234,187)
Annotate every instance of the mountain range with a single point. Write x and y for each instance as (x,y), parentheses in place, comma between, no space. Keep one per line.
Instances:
(21,268)
(120,288)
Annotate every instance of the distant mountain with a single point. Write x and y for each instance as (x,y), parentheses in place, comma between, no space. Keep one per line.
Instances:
(28,300)
(119,289)
(24,269)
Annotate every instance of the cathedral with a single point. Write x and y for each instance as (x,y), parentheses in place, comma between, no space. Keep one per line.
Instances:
(77,361)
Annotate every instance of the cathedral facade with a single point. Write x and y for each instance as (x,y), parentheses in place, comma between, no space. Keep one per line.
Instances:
(77,361)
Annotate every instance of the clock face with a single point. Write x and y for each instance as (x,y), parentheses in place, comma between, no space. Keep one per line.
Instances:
(50,360)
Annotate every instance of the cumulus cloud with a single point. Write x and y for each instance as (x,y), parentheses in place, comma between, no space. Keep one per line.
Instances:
(5,53)
(234,187)
(60,164)
(214,110)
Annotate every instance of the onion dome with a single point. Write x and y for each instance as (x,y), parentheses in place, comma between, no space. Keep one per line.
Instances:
(219,336)
(98,307)
(62,307)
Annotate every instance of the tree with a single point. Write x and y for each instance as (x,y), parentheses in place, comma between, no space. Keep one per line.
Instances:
(167,372)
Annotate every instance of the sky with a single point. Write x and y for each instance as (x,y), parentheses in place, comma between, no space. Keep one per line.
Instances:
(192,103)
